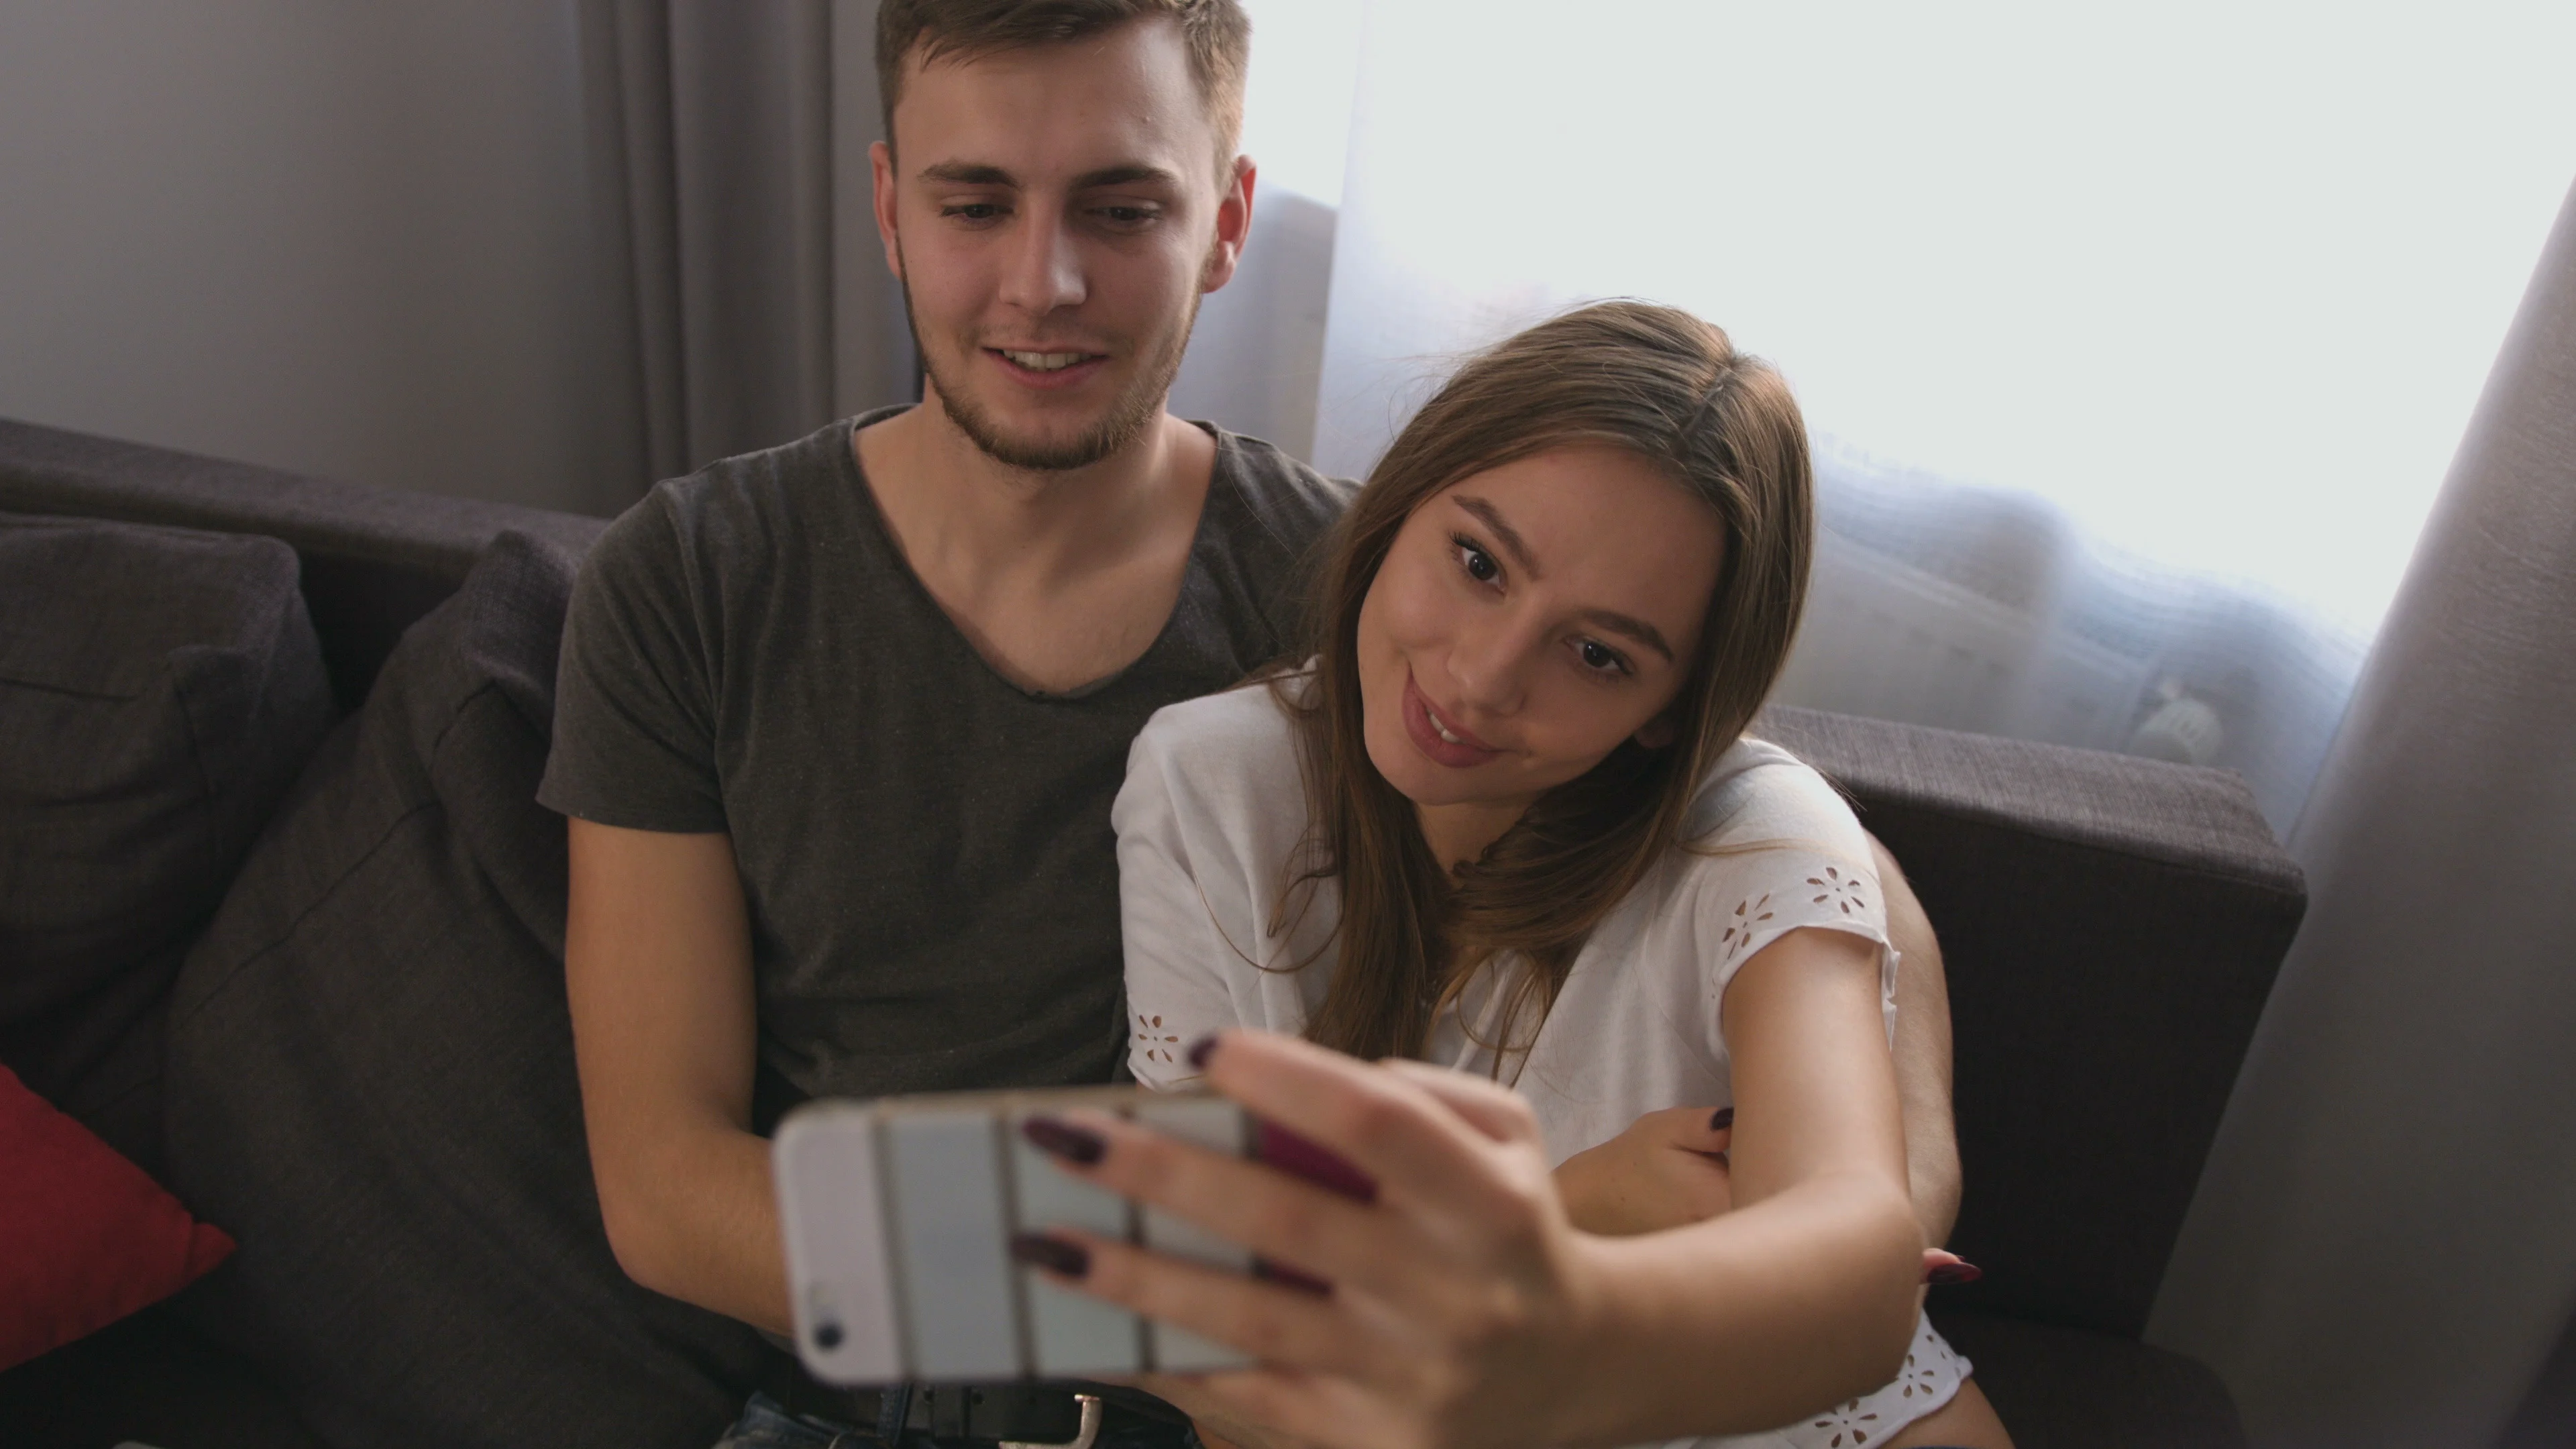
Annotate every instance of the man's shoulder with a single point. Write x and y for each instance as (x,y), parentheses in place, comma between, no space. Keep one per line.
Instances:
(736,512)
(1287,500)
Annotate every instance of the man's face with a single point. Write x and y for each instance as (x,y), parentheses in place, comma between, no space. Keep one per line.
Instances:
(1055,218)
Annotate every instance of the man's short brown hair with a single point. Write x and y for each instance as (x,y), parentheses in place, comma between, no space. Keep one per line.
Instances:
(1217,32)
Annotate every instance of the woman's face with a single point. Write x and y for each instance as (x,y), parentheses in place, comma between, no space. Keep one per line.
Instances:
(1527,620)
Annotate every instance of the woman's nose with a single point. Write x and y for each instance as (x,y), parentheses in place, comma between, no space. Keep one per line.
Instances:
(1487,664)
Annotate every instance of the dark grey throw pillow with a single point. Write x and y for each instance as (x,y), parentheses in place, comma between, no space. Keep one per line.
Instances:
(159,690)
(372,1082)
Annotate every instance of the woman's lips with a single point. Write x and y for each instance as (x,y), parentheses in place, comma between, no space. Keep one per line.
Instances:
(1464,752)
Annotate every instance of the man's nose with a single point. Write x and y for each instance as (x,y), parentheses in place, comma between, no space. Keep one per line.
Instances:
(1045,268)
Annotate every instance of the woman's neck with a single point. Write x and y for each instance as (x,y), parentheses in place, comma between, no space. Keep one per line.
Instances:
(1459,834)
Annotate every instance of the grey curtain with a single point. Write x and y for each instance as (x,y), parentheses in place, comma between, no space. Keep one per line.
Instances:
(729,142)
(2383,1247)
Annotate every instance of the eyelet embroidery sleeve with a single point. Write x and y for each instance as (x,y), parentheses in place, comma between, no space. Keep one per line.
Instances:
(1786,854)
(1176,986)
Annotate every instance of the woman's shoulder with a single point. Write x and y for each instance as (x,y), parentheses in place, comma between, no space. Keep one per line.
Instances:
(1759,794)
(1232,726)
(1228,757)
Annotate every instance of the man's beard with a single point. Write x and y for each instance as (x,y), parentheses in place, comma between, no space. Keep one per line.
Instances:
(1125,420)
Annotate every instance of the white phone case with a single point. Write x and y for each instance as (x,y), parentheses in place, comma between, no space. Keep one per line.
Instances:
(1211,1122)
(898,1216)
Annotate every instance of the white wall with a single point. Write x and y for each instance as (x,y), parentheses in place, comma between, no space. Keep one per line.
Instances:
(346,239)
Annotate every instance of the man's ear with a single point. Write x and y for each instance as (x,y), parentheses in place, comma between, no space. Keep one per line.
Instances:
(1233,225)
(881,170)
(1658,733)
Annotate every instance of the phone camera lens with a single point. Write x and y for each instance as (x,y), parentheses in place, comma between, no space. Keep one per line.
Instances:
(827,1336)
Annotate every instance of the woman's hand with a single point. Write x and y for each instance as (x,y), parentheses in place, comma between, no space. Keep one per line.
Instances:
(1667,1170)
(1465,1305)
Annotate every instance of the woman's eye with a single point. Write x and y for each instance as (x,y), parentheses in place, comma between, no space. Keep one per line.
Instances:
(1479,564)
(1601,657)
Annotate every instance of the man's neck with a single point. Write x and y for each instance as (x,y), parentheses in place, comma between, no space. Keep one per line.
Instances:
(1056,578)
(962,514)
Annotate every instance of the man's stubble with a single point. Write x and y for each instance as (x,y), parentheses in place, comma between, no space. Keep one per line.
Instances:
(1125,421)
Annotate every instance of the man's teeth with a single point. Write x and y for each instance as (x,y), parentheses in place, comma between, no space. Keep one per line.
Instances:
(1044,361)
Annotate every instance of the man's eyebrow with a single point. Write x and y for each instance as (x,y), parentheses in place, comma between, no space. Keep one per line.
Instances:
(976,173)
(1508,536)
(1126,175)
(968,173)
(1637,629)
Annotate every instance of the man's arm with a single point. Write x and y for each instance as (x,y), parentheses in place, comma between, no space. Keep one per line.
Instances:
(657,959)
(1922,1053)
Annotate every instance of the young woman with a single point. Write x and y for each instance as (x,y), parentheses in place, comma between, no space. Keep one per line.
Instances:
(1506,820)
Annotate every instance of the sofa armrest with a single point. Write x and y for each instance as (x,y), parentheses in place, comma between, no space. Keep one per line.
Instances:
(2111,927)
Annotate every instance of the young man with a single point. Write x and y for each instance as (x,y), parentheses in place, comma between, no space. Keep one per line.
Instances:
(839,723)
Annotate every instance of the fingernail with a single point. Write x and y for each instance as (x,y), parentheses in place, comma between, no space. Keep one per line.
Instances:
(1201,1050)
(1072,1260)
(1282,1273)
(1952,1274)
(1721,1119)
(1078,1145)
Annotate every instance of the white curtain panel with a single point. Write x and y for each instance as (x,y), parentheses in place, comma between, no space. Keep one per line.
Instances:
(2133,339)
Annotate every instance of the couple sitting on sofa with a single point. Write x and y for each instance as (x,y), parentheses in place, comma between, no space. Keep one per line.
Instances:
(840,727)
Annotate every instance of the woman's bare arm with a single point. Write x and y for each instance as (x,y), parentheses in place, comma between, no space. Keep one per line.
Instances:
(657,959)
(1819,1260)
(1468,1311)
(1664,1171)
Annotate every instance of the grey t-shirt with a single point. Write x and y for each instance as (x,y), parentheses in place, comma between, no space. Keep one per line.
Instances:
(925,846)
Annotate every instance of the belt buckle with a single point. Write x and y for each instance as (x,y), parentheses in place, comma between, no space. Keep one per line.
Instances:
(1082,1439)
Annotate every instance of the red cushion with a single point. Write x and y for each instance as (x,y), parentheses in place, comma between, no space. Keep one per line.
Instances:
(85,1237)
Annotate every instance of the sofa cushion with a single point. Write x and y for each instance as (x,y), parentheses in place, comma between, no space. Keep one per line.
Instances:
(159,690)
(85,1237)
(372,1081)
(2073,1388)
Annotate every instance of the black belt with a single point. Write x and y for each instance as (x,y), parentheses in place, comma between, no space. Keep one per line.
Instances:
(1014,1413)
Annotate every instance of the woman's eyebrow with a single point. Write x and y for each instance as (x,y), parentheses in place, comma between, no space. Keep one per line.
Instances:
(1504,534)
(1635,628)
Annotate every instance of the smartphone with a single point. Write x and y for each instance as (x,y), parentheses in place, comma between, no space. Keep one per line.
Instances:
(898,1215)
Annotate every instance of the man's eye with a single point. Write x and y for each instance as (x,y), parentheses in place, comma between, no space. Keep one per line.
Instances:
(1127,215)
(1479,564)
(972,211)
(1601,657)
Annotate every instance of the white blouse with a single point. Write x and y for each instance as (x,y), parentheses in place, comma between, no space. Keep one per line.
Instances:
(1218,934)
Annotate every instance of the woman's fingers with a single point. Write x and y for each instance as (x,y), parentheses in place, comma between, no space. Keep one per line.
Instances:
(1707,1131)
(1387,1124)
(1313,1229)
(1273,1324)
(1489,1107)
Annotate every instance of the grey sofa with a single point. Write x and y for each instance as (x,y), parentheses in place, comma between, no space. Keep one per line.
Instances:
(2111,926)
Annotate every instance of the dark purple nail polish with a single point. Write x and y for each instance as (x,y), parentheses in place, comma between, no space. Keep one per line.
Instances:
(1951,1274)
(1078,1145)
(1721,1119)
(1201,1050)
(1071,1260)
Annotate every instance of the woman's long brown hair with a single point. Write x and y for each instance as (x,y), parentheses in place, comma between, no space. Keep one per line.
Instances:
(1672,390)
